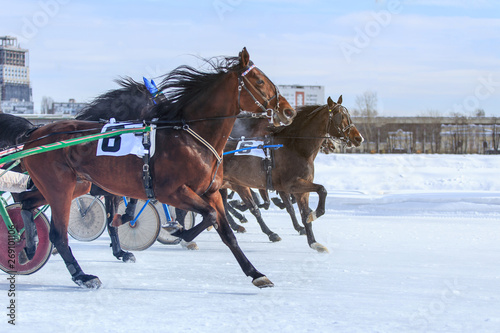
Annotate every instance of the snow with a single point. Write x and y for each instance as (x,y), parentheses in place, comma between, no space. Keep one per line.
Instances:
(413,247)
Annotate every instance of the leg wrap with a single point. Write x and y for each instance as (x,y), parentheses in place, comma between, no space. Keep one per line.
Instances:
(73,266)
(129,211)
(31,234)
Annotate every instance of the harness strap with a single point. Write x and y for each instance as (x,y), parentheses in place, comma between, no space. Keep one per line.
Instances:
(268,163)
(203,141)
(211,148)
(146,174)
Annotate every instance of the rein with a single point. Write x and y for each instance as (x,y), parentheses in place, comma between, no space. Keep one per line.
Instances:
(266,112)
(332,114)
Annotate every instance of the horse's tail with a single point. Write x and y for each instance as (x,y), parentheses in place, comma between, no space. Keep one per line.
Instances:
(14,130)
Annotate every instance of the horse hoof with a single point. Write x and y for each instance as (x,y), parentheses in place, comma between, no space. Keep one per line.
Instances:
(320,248)
(117,221)
(128,257)
(302,231)
(262,282)
(191,246)
(172,227)
(311,217)
(274,237)
(244,220)
(241,230)
(87,281)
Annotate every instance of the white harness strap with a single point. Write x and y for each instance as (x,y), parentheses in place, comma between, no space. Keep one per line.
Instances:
(11,181)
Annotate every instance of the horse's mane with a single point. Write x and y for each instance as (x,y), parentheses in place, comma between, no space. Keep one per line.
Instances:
(13,129)
(304,114)
(185,84)
(126,103)
(180,87)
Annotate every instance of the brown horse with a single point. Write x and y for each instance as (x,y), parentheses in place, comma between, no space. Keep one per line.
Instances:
(294,162)
(12,132)
(194,121)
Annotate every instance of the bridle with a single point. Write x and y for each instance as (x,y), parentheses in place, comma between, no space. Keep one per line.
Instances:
(335,117)
(267,112)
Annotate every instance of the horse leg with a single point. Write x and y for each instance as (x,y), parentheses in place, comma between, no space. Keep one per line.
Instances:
(111,204)
(285,197)
(31,237)
(305,211)
(236,214)
(60,241)
(246,196)
(320,209)
(231,211)
(129,211)
(265,196)
(29,201)
(227,236)
(60,203)
(189,200)
(303,186)
(180,216)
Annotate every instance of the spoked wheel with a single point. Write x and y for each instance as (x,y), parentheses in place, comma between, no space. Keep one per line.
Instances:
(10,250)
(164,237)
(143,233)
(87,219)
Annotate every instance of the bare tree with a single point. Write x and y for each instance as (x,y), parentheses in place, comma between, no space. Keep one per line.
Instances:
(431,113)
(366,107)
(431,132)
(366,104)
(479,113)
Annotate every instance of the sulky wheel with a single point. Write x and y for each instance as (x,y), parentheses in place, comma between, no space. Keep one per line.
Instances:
(87,219)
(140,233)
(10,249)
(164,237)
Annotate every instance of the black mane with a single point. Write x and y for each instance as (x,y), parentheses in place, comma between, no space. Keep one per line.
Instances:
(13,129)
(126,103)
(186,84)
(180,87)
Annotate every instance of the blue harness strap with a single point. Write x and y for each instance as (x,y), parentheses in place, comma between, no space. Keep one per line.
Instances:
(253,147)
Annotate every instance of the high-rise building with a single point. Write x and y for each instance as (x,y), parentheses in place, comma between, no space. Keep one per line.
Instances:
(15,90)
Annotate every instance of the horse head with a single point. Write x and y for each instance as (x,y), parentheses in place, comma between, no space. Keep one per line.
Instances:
(261,91)
(341,126)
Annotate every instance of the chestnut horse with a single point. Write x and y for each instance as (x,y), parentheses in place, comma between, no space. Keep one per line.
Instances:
(194,122)
(294,162)
(12,132)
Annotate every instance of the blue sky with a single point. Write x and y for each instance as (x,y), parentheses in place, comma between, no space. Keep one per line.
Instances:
(417,55)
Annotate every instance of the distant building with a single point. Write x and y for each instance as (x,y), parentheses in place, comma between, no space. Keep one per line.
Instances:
(15,90)
(298,95)
(70,108)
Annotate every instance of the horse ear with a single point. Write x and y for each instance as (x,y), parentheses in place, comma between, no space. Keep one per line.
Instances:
(244,58)
(330,102)
(340,100)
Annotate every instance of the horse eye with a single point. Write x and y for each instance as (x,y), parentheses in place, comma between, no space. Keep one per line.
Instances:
(260,82)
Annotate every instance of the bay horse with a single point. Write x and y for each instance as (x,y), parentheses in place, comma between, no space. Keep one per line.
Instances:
(13,131)
(194,122)
(125,104)
(294,162)
(327,147)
